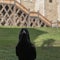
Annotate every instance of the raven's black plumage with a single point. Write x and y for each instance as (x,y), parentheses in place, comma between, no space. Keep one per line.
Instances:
(25,50)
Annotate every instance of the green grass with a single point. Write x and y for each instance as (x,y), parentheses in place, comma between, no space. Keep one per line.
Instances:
(46,40)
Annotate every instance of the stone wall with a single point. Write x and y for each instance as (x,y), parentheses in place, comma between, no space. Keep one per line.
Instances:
(58,2)
(29,4)
(39,5)
(51,10)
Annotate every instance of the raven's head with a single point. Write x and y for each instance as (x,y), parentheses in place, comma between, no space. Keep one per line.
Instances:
(24,35)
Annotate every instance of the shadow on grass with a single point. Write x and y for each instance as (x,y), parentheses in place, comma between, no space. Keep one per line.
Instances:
(48,43)
(47,51)
(10,34)
(34,33)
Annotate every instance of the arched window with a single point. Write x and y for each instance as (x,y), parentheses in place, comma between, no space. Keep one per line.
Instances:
(50,1)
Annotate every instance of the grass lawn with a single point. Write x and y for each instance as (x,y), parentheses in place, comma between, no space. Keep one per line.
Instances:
(46,40)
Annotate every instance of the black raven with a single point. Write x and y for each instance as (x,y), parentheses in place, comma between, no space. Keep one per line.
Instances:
(25,50)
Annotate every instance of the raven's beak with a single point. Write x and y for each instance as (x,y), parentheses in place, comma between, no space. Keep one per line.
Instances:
(24,32)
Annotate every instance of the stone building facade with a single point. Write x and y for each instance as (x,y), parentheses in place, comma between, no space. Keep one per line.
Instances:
(48,8)
(30,4)
(51,9)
